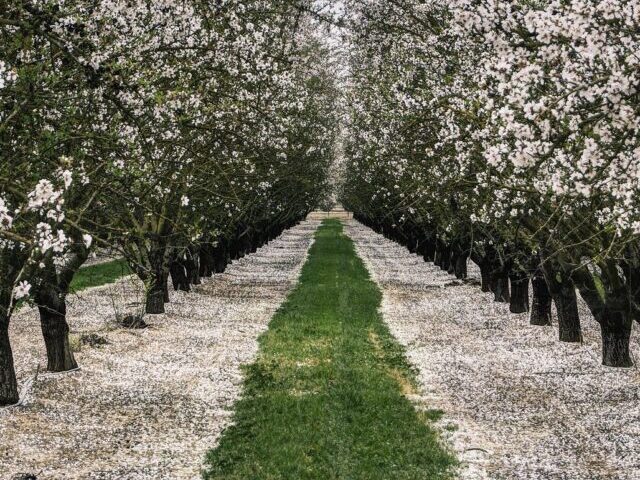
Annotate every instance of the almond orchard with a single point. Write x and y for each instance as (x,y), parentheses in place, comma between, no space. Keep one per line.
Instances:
(165,171)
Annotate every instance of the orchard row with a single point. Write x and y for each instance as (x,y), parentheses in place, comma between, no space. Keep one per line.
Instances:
(181,134)
(507,132)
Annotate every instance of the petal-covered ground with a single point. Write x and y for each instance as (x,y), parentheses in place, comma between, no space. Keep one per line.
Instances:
(518,403)
(150,403)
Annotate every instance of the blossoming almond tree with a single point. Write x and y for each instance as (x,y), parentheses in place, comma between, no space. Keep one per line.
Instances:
(566,123)
(510,132)
(41,124)
(230,134)
(156,129)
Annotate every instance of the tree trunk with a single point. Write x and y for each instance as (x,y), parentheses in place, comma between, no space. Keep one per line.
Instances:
(157,279)
(519,301)
(206,260)
(453,259)
(165,288)
(234,249)
(485,276)
(220,255)
(179,276)
(445,261)
(437,254)
(155,299)
(412,243)
(500,285)
(429,250)
(563,292)
(254,244)
(50,295)
(568,316)
(192,265)
(614,309)
(245,242)
(616,331)
(156,293)
(541,304)
(55,329)
(460,268)
(8,383)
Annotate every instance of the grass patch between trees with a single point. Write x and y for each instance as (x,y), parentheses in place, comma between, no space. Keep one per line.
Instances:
(100,274)
(325,398)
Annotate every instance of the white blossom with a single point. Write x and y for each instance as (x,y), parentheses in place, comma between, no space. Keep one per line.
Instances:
(21,290)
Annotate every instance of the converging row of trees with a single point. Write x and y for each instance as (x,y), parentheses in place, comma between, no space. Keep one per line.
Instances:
(183,134)
(507,132)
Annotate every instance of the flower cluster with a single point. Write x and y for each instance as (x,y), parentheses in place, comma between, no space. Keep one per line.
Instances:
(508,130)
(172,119)
(161,129)
(7,76)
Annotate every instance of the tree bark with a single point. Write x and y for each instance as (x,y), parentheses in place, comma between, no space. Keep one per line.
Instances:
(156,293)
(51,297)
(541,303)
(460,267)
(165,287)
(8,383)
(412,242)
(615,327)
(220,257)
(192,265)
(157,279)
(155,300)
(519,301)
(613,306)
(272,233)
(485,270)
(234,249)
(179,276)
(437,254)
(485,277)
(254,244)
(563,292)
(55,329)
(207,262)
(500,285)
(429,250)
(453,259)
(568,316)
(445,261)
(245,245)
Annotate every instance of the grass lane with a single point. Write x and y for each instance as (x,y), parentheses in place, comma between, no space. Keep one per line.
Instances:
(325,397)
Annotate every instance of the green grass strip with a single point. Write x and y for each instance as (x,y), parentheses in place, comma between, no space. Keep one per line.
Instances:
(94,276)
(101,274)
(325,398)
